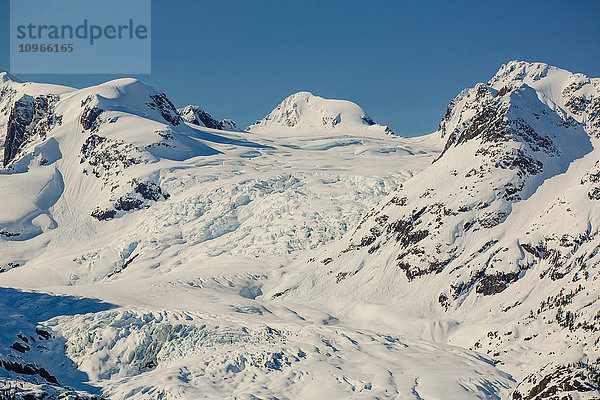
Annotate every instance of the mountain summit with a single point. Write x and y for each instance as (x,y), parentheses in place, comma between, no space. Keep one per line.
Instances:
(303,111)
(497,242)
(197,116)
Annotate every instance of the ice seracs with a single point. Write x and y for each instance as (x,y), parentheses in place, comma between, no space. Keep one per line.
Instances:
(305,112)
(109,191)
(316,257)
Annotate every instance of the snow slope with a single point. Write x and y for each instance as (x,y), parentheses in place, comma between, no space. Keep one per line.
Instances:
(175,227)
(304,112)
(494,246)
(144,255)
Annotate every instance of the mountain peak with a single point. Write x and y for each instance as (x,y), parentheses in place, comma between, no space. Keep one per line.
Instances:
(6,76)
(572,98)
(309,112)
(197,116)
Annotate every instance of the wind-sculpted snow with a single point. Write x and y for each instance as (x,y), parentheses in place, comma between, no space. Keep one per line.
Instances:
(122,192)
(37,193)
(496,153)
(570,95)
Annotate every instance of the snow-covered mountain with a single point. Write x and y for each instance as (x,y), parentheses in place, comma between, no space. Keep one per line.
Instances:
(147,240)
(197,116)
(305,112)
(495,245)
(147,254)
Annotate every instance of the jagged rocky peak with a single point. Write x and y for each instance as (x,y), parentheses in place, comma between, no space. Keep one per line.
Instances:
(503,226)
(305,111)
(26,113)
(229,125)
(113,127)
(513,113)
(197,116)
(487,108)
(573,94)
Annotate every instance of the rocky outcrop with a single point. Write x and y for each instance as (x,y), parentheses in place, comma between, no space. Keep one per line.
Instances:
(197,116)
(161,103)
(90,118)
(578,380)
(228,125)
(502,226)
(141,195)
(29,118)
(104,157)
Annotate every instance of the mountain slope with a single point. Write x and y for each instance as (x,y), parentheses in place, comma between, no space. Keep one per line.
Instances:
(316,257)
(108,194)
(495,245)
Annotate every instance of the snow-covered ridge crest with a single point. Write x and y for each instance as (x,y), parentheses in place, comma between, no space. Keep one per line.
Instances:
(573,95)
(6,76)
(118,189)
(304,111)
(188,235)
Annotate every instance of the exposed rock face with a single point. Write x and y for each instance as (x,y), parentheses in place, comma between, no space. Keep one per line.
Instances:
(106,157)
(229,125)
(563,382)
(507,156)
(27,369)
(579,94)
(197,116)
(501,231)
(90,117)
(140,196)
(162,103)
(510,151)
(29,117)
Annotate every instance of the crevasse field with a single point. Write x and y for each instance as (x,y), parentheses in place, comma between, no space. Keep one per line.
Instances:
(147,255)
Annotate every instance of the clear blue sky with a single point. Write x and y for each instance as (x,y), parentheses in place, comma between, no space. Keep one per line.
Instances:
(402,61)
